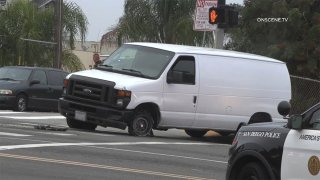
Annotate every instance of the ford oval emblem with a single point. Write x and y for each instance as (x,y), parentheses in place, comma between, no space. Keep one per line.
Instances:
(88,91)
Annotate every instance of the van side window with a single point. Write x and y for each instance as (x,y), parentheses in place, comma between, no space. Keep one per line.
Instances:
(40,76)
(183,71)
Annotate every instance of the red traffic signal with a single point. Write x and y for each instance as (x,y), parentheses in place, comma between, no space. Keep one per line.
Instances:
(216,15)
(223,16)
(213,15)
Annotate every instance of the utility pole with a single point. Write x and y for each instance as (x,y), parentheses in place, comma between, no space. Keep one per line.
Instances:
(219,33)
(58,33)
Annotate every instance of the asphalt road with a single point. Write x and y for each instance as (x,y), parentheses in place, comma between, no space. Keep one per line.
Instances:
(30,154)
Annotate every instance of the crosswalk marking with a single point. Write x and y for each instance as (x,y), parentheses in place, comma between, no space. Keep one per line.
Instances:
(13,134)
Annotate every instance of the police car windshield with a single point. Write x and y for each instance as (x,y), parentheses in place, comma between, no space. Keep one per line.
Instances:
(138,61)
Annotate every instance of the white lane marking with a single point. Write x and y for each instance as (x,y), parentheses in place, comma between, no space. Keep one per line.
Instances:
(161,154)
(13,134)
(34,117)
(27,146)
(9,112)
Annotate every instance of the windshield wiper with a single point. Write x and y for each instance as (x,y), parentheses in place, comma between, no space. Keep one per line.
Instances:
(136,72)
(8,79)
(104,65)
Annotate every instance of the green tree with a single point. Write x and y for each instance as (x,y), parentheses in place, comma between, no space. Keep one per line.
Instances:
(165,21)
(296,42)
(22,19)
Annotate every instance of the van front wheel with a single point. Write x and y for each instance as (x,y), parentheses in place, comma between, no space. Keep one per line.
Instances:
(141,125)
(196,133)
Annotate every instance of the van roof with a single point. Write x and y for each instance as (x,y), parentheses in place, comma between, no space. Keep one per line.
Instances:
(205,51)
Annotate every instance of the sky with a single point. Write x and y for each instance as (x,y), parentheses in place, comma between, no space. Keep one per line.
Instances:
(104,14)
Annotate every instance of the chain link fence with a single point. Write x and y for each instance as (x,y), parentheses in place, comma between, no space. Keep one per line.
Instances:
(305,93)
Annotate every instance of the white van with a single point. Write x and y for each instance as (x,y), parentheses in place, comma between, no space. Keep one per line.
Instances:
(146,86)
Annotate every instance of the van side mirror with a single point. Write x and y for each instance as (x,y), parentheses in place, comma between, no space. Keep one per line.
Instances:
(295,122)
(34,82)
(174,77)
(284,108)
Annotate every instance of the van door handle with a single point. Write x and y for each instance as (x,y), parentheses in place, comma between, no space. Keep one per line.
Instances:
(194,99)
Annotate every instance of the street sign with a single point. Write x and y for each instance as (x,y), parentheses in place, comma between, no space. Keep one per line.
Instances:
(201,19)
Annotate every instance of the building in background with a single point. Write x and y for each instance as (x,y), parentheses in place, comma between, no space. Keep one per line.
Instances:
(85,52)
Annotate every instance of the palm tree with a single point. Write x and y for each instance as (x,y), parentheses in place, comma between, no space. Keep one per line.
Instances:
(22,19)
(165,21)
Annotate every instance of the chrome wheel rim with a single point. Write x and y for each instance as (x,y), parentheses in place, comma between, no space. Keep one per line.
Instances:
(21,104)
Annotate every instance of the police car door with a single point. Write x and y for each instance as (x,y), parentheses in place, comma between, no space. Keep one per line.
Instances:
(301,151)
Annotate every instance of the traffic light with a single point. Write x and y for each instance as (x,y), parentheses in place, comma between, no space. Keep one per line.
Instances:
(223,16)
(216,15)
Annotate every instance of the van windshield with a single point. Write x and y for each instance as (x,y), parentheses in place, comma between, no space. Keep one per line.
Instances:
(14,74)
(138,61)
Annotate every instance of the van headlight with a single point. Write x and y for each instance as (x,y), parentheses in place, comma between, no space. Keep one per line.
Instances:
(5,92)
(123,98)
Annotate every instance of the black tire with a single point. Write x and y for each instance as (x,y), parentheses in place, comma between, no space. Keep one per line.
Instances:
(196,133)
(21,103)
(72,123)
(253,171)
(141,125)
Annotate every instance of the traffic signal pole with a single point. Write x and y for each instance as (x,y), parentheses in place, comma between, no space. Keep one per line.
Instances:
(218,38)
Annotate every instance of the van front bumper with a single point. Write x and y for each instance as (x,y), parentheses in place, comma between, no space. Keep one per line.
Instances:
(99,115)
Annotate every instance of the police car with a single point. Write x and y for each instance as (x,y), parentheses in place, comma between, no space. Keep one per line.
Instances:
(283,150)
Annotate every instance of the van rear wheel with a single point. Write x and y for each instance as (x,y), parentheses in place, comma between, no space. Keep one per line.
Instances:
(72,123)
(196,133)
(141,125)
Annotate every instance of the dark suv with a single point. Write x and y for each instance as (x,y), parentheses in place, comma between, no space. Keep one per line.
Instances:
(23,88)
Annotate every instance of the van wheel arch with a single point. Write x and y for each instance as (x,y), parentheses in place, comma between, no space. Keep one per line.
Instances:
(153,109)
(259,117)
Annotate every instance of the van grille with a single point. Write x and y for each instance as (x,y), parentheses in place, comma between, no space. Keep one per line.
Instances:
(89,90)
